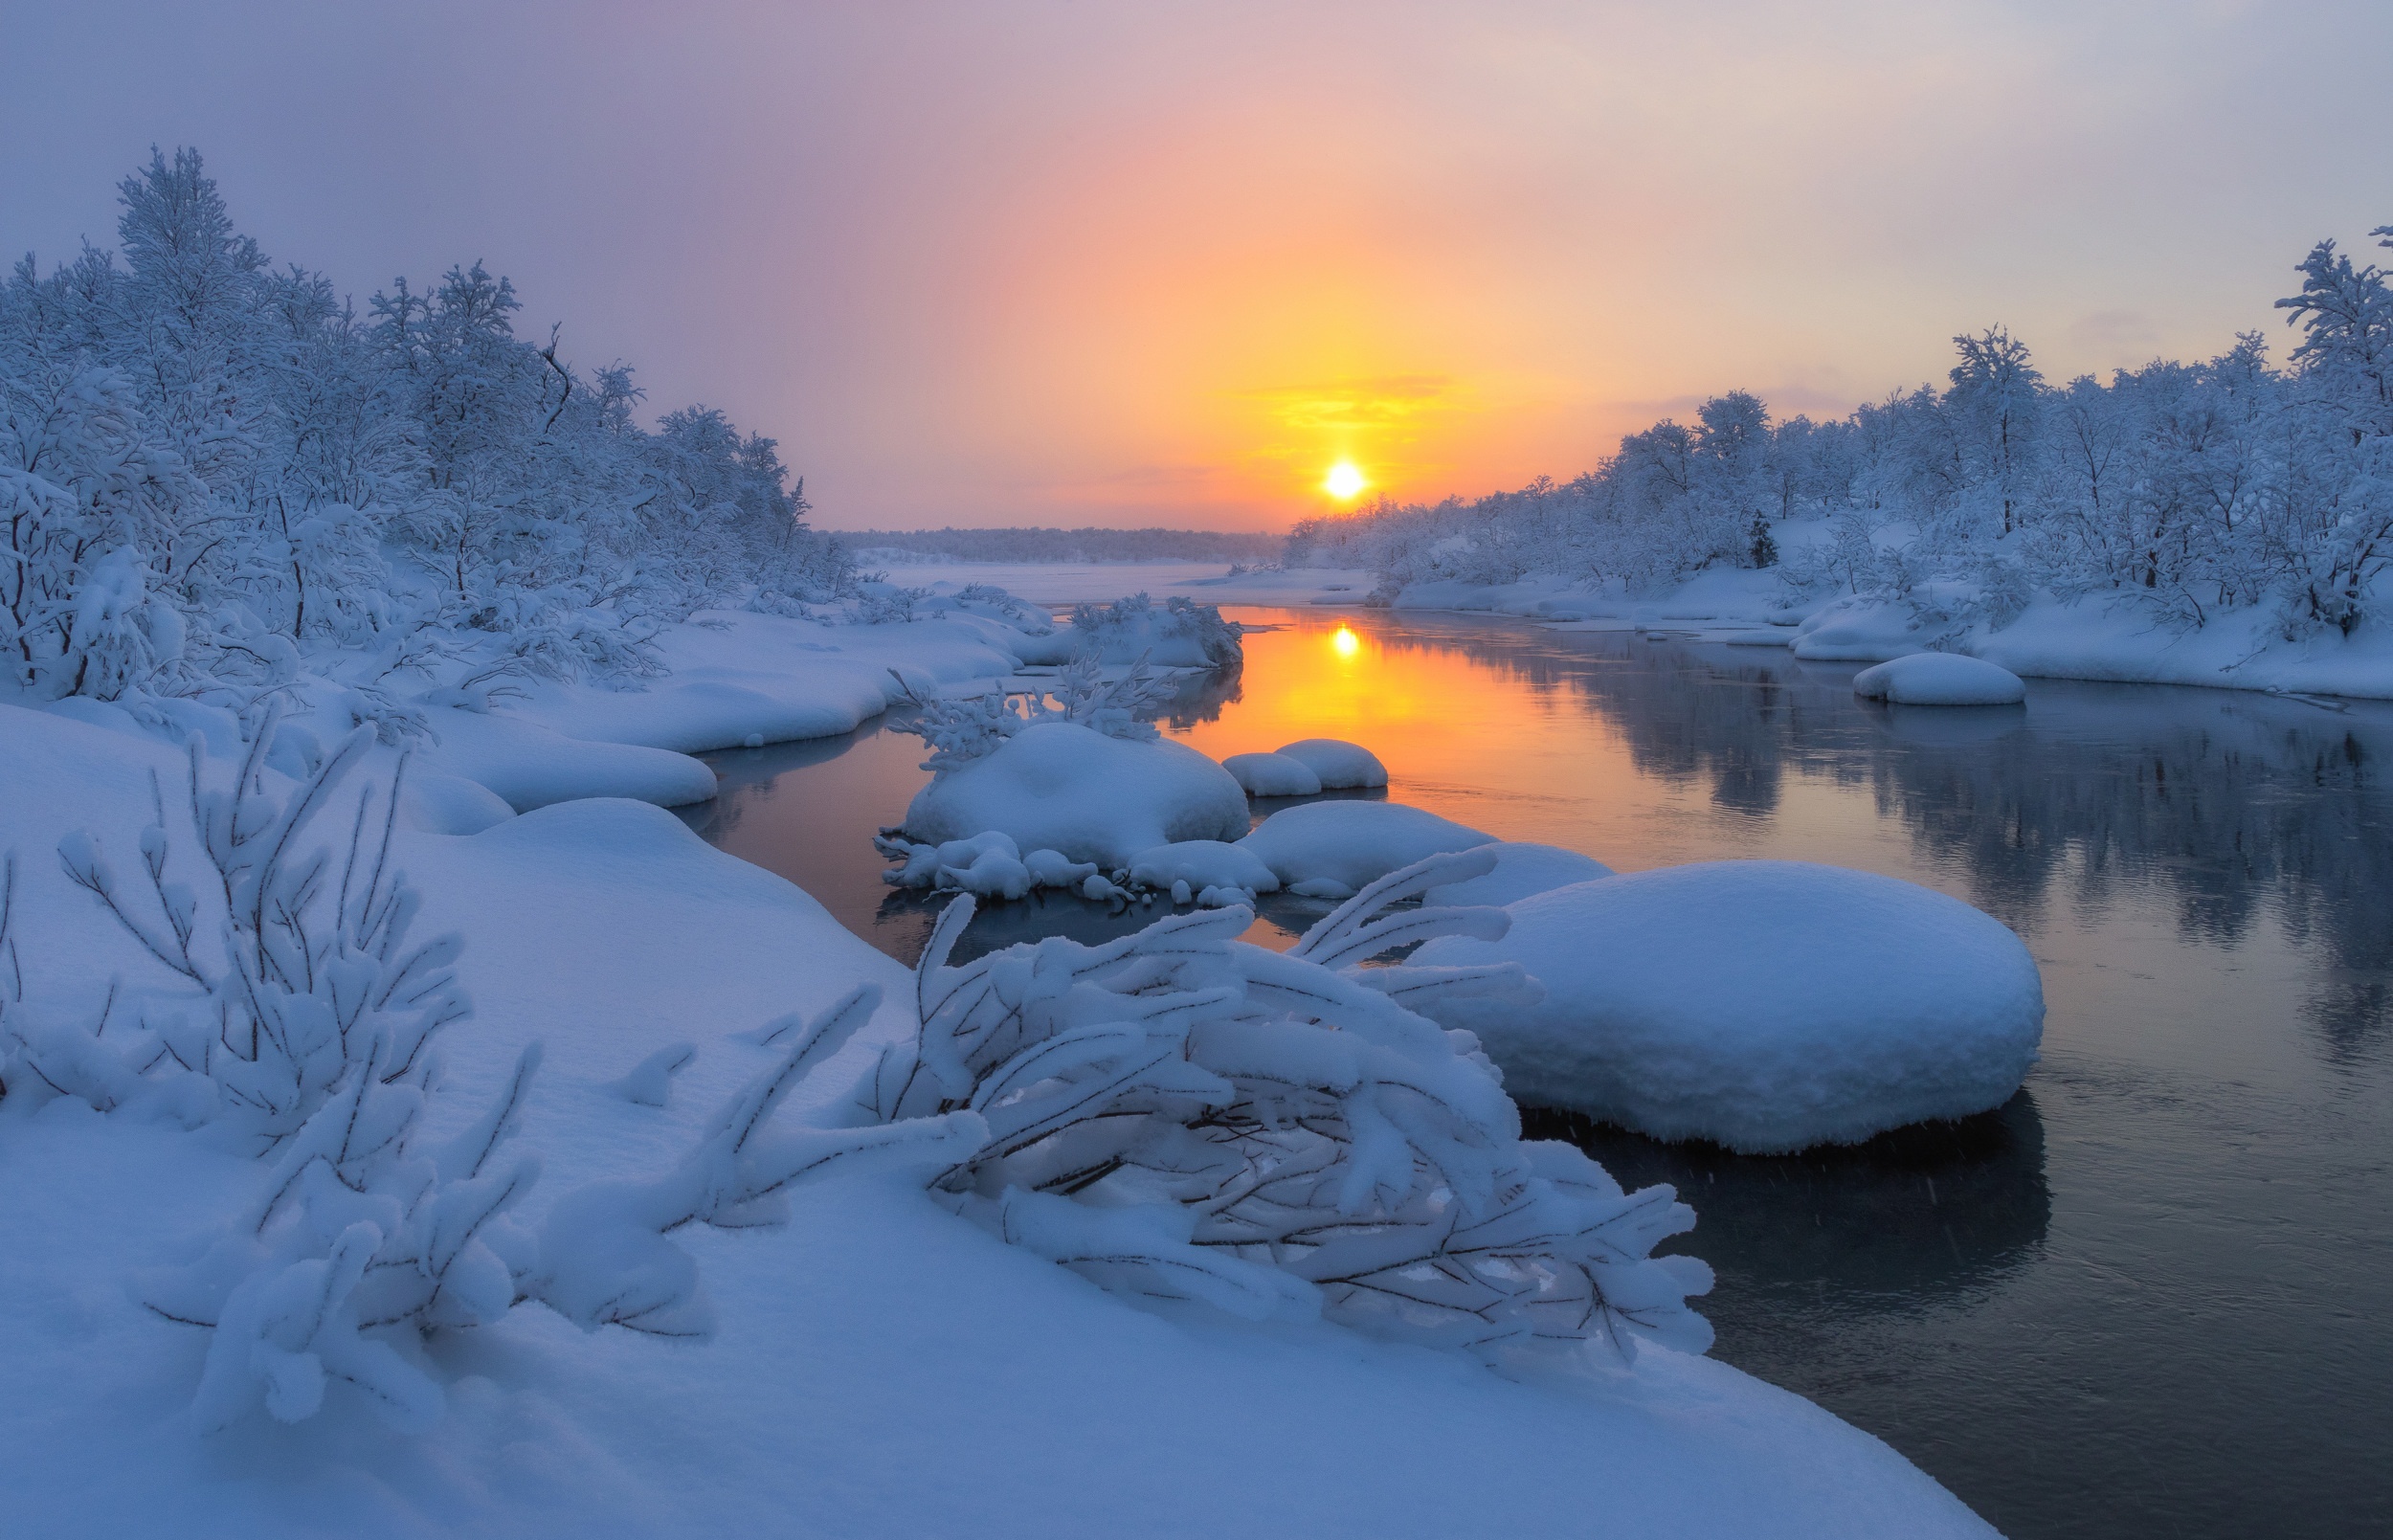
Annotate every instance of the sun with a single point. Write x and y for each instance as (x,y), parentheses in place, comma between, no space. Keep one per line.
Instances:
(1344,481)
(1346,643)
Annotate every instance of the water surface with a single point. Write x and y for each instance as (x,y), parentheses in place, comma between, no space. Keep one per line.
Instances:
(2145,1298)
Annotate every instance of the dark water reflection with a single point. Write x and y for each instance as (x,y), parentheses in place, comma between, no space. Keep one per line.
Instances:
(2147,1297)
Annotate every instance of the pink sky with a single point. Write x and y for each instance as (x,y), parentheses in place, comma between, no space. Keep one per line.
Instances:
(1149,263)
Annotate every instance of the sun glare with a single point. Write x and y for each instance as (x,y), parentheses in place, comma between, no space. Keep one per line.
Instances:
(1347,643)
(1344,481)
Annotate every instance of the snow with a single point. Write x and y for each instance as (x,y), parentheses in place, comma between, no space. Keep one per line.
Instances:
(1273,775)
(1768,1006)
(1202,863)
(1521,869)
(1064,787)
(1941,678)
(2091,639)
(870,1326)
(1333,849)
(1065,583)
(1340,766)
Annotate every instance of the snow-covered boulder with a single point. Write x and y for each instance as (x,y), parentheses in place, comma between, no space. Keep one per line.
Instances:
(1941,678)
(1331,850)
(1273,775)
(1520,871)
(1768,1006)
(1339,764)
(1202,863)
(1064,787)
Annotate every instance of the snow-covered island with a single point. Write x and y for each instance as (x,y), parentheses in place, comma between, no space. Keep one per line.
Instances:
(413,1127)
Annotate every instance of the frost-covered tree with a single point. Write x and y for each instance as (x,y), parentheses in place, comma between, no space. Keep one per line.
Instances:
(200,453)
(2178,490)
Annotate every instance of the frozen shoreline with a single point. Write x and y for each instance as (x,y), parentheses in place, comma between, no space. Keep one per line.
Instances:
(871,1328)
(2085,640)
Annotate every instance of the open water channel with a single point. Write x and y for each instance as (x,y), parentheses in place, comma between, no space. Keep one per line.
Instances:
(2153,1295)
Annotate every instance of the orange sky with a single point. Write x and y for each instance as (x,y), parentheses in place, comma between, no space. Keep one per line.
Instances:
(1162,264)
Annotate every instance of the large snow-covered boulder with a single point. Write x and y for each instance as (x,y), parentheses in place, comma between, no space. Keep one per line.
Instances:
(1060,786)
(1333,849)
(1339,764)
(1768,1006)
(1520,871)
(1273,775)
(1941,678)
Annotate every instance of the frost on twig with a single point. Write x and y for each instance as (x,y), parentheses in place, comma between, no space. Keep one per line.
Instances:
(960,731)
(285,959)
(363,1239)
(1181,1113)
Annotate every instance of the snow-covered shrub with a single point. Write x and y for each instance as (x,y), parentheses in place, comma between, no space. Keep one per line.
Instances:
(1179,1113)
(363,1236)
(961,731)
(292,963)
(1178,633)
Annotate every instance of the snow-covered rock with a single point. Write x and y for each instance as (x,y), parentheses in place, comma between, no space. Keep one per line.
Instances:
(1332,849)
(1339,764)
(1520,871)
(1202,863)
(1273,775)
(1768,1006)
(1063,786)
(1941,678)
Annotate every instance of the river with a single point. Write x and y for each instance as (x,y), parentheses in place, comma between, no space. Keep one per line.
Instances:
(2147,1297)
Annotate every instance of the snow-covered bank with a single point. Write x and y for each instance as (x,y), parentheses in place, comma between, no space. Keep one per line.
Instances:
(870,1328)
(2095,639)
(1061,583)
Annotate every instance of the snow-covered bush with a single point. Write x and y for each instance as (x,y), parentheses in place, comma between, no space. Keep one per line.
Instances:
(285,964)
(1178,633)
(962,731)
(364,1237)
(1177,1113)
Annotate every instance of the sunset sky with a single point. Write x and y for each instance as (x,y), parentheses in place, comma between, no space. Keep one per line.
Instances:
(1149,263)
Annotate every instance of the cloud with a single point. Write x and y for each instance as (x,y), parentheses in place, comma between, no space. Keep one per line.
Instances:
(1359,405)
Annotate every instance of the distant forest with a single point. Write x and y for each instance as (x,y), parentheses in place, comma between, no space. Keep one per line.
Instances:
(887,546)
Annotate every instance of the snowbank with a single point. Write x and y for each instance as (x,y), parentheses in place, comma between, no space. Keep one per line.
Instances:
(1521,870)
(1764,1005)
(868,1328)
(1064,787)
(1333,849)
(1273,775)
(1338,765)
(1941,678)
(2111,641)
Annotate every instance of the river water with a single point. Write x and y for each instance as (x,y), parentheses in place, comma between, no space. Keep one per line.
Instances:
(2149,1296)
